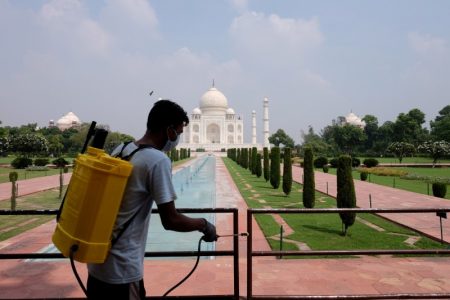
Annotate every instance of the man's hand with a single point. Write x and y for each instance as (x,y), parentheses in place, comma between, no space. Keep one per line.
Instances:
(209,232)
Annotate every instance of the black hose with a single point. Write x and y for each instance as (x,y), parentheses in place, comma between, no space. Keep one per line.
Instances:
(190,273)
(73,249)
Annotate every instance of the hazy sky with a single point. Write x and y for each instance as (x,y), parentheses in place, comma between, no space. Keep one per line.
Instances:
(314,60)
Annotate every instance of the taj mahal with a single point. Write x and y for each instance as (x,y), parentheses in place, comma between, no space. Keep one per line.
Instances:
(214,126)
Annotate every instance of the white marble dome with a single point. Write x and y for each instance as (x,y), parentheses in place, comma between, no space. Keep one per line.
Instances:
(353,119)
(196,111)
(230,111)
(213,98)
(68,121)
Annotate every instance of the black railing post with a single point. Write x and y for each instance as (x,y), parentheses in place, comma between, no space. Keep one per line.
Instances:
(249,254)
(236,253)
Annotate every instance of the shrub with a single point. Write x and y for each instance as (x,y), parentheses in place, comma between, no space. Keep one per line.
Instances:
(266,163)
(275,167)
(258,165)
(346,197)
(333,162)
(21,162)
(439,189)
(13,176)
(356,162)
(370,162)
(325,169)
(363,175)
(287,171)
(60,162)
(308,180)
(320,162)
(41,162)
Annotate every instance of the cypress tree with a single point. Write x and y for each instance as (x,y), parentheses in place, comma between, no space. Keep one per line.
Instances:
(275,167)
(189,152)
(238,156)
(258,165)
(287,171)
(250,159)
(245,159)
(345,190)
(254,159)
(266,163)
(309,189)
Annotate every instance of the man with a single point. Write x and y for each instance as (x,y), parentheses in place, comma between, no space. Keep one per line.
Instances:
(121,275)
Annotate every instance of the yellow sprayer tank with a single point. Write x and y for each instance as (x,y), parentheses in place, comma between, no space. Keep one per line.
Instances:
(91,205)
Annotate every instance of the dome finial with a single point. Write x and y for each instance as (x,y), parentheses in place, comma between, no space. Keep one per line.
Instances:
(213,83)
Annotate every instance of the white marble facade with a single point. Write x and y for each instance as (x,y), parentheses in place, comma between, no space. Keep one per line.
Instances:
(214,126)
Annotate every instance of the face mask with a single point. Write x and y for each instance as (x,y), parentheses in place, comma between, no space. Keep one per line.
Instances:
(171,144)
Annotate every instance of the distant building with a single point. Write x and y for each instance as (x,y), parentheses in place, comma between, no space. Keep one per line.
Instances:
(67,121)
(214,126)
(354,120)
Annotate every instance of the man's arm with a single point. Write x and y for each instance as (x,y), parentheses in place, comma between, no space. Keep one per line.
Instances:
(173,220)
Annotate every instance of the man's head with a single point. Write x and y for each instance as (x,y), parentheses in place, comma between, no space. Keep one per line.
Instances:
(166,119)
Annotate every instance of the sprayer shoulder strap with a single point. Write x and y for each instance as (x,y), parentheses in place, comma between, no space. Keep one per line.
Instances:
(127,158)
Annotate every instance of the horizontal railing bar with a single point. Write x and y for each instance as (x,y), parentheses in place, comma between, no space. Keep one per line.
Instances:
(6,212)
(147,254)
(340,210)
(359,297)
(209,297)
(348,252)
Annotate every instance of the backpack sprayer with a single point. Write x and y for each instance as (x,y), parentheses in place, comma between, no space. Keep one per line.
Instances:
(88,211)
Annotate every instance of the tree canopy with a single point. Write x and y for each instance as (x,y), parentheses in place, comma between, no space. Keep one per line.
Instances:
(281,137)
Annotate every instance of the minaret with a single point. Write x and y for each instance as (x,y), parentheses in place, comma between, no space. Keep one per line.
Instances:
(253,128)
(266,123)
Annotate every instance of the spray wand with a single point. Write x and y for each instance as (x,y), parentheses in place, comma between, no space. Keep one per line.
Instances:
(198,259)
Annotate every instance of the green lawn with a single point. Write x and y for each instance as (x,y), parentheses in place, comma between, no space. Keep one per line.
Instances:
(319,231)
(417,186)
(13,225)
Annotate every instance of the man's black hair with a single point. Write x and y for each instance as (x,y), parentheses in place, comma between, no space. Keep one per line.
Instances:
(165,113)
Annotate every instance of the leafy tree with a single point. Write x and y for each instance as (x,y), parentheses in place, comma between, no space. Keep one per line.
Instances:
(401,149)
(370,130)
(315,142)
(258,165)
(275,167)
(280,137)
(435,149)
(266,163)
(4,145)
(440,127)
(345,190)
(384,139)
(309,189)
(408,127)
(29,144)
(347,137)
(287,171)
(55,146)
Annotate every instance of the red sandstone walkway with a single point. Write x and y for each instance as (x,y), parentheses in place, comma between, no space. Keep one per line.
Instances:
(365,275)
(30,186)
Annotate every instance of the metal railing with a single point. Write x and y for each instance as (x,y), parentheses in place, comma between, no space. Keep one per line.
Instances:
(234,252)
(250,253)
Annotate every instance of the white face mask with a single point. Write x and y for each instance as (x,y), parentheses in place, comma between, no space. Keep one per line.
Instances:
(171,144)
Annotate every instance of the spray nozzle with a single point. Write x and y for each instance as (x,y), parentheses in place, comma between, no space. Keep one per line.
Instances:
(232,235)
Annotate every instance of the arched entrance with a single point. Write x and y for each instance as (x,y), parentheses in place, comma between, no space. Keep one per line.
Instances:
(213,133)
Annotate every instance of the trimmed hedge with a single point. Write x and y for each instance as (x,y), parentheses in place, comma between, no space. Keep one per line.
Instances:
(439,189)
(275,167)
(41,162)
(308,180)
(363,175)
(21,162)
(287,171)
(333,162)
(346,197)
(320,162)
(370,162)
